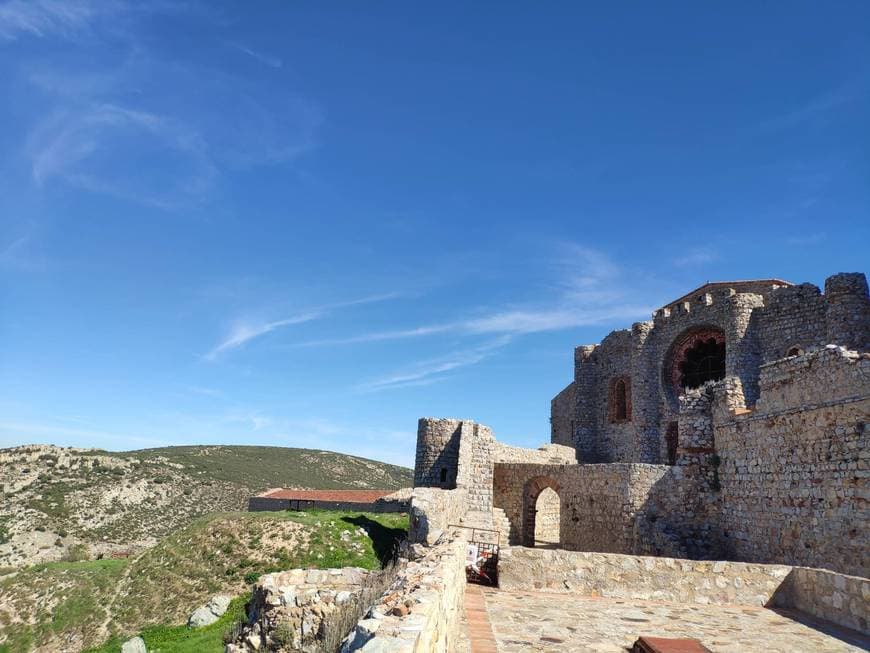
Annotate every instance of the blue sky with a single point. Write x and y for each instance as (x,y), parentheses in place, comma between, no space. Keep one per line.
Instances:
(309,224)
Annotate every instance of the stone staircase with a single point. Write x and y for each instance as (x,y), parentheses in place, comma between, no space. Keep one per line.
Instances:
(502,524)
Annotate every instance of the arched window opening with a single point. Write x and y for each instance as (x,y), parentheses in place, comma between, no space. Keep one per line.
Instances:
(794,351)
(620,400)
(443,475)
(705,361)
(547,518)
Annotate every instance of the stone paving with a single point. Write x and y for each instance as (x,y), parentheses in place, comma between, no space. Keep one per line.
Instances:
(543,622)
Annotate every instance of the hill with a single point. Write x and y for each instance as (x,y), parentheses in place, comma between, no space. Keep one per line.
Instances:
(62,504)
(74,605)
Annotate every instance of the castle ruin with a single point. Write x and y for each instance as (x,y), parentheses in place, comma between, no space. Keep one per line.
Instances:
(730,426)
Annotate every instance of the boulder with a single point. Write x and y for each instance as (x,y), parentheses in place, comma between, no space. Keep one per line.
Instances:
(134,645)
(210,612)
(202,617)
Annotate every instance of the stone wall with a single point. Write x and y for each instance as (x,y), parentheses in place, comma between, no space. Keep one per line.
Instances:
(562,417)
(841,599)
(293,609)
(793,317)
(437,457)
(433,511)
(844,600)
(760,321)
(599,504)
(635,577)
(795,472)
(421,611)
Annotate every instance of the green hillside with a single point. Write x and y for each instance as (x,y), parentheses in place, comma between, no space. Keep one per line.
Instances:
(264,467)
(73,606)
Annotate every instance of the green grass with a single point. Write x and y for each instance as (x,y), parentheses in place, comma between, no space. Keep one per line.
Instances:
(181,639)
(79,589)
(218,554)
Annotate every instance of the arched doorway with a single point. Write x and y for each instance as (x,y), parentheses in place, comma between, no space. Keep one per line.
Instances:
(541,512)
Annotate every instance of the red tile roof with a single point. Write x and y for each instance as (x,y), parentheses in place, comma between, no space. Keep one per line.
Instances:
(345,496)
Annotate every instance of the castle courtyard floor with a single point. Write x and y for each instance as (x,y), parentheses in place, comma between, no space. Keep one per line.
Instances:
(509,622)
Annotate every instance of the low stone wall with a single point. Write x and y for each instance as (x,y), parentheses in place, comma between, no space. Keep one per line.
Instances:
(639,577)
(292,609)
(421,611)
(271,504)
(828,595)
(823,594)
(433,510)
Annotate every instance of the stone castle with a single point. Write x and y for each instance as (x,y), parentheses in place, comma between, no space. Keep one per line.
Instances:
(731,426)
(712,457)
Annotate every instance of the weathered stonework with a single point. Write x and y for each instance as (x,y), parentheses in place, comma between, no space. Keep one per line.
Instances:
(730,427)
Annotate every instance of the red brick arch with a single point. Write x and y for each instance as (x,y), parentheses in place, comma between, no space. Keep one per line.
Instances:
(678,350)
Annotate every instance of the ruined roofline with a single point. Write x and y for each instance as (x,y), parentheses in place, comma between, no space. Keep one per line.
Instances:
(711,285)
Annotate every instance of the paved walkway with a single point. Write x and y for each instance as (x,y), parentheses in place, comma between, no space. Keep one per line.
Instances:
(545,623)
(480,637)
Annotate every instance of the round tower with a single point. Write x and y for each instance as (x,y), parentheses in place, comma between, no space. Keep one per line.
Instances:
(437,461)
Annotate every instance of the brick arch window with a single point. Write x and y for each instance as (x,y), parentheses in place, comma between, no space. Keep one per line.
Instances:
(794,351)
(619,401)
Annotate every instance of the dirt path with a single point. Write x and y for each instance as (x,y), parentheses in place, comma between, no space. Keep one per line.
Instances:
(102,633)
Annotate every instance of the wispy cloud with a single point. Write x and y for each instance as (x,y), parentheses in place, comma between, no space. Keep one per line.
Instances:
(244,331)
(806,239)
(589,290)
(144,128)
(435,369)
(262,57)
(43,18)
(696,256)
(80,146)
(818,107)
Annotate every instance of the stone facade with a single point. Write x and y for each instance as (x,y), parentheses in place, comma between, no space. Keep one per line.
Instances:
(756,321)
(730,426)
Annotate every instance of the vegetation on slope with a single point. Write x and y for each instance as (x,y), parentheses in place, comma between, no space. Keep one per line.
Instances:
(68,605)
(54,499)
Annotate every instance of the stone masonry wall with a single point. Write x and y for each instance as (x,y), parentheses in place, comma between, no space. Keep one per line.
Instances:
(421,611)
(835,597)
(562,417)
(844,600)
(761,322)
(599,504)
(794,316)
(634,577)
(433,511)
(795,472)
(437,452)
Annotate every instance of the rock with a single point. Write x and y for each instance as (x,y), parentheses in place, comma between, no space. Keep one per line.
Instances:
(210,612)
(219,604)
(202,617)
(134,645)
